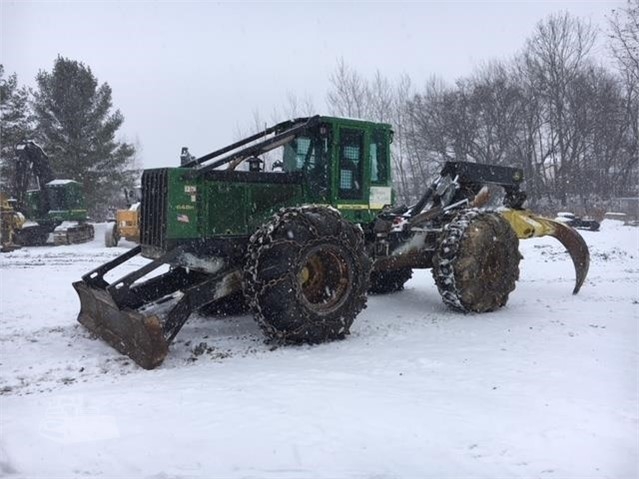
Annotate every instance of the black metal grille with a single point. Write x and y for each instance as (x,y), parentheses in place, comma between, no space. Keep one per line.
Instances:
(154,205)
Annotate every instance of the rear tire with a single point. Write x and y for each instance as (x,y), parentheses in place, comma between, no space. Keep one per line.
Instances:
(384,282)
(306,275)
(111,236)
(476,263)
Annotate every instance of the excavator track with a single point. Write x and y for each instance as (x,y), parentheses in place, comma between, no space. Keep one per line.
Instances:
(81,233)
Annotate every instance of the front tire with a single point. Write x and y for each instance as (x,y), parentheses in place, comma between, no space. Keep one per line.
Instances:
(306,275)
(476,263)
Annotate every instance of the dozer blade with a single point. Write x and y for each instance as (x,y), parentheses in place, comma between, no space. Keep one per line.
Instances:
(138,336)
(141,318)
(527,225)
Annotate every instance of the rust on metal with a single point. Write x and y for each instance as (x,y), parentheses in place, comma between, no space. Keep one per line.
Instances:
(138,336)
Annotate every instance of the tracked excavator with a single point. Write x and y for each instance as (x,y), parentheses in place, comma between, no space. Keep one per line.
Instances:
(50,205)
(298,223)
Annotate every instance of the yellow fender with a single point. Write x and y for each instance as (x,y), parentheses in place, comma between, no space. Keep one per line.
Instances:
(529,225)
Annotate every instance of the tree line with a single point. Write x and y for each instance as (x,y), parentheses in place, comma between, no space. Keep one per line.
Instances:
(569,122)
(71,116)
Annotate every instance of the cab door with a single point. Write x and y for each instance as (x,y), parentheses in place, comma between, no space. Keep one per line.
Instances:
(380,192)
(351,184)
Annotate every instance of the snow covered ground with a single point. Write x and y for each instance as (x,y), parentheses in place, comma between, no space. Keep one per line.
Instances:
(545,388)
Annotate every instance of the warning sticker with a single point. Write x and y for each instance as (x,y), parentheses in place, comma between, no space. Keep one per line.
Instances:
(379,197)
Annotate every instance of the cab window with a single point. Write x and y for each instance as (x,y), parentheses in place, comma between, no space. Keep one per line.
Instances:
(309,154)
(350,164)
(379,158)
(299,153)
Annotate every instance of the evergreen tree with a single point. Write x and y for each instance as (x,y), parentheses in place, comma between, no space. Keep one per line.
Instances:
(16,127)
(76,127)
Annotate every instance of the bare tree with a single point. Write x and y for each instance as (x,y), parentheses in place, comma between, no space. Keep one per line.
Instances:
(402,151)
(554,57)
(297,106)
(624,43)
(349,93)
(624,33)
(496,105)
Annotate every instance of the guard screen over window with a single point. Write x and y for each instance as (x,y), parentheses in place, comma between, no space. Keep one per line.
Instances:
(308,154)
(379,159)
(299,154)
(350,164)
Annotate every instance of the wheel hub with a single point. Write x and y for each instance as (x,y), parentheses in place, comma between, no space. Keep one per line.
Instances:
(324,279)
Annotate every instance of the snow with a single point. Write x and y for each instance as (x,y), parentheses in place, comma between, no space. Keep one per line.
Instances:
(60,182)
(546,387)
(65,225)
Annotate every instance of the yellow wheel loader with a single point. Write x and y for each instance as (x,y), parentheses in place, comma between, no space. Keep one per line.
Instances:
(11,221)
(126,225)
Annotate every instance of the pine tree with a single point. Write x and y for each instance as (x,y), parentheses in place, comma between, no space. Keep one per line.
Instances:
(16,127)
(76,127)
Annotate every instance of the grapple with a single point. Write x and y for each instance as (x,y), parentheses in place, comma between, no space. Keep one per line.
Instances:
(141,319)
(528,225)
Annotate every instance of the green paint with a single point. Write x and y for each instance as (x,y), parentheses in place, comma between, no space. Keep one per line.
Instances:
(334,163)
(66,203)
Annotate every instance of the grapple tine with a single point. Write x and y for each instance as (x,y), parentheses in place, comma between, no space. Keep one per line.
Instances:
(577,248)
(138,336)
(527,225)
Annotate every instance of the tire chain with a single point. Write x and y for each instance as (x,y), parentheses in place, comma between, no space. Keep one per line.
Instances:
(263,239)
(447,249)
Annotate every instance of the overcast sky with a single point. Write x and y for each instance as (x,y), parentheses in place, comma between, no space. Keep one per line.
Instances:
(194,73)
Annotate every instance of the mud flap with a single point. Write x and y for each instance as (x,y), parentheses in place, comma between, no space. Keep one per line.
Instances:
(527,225)
(138,336)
